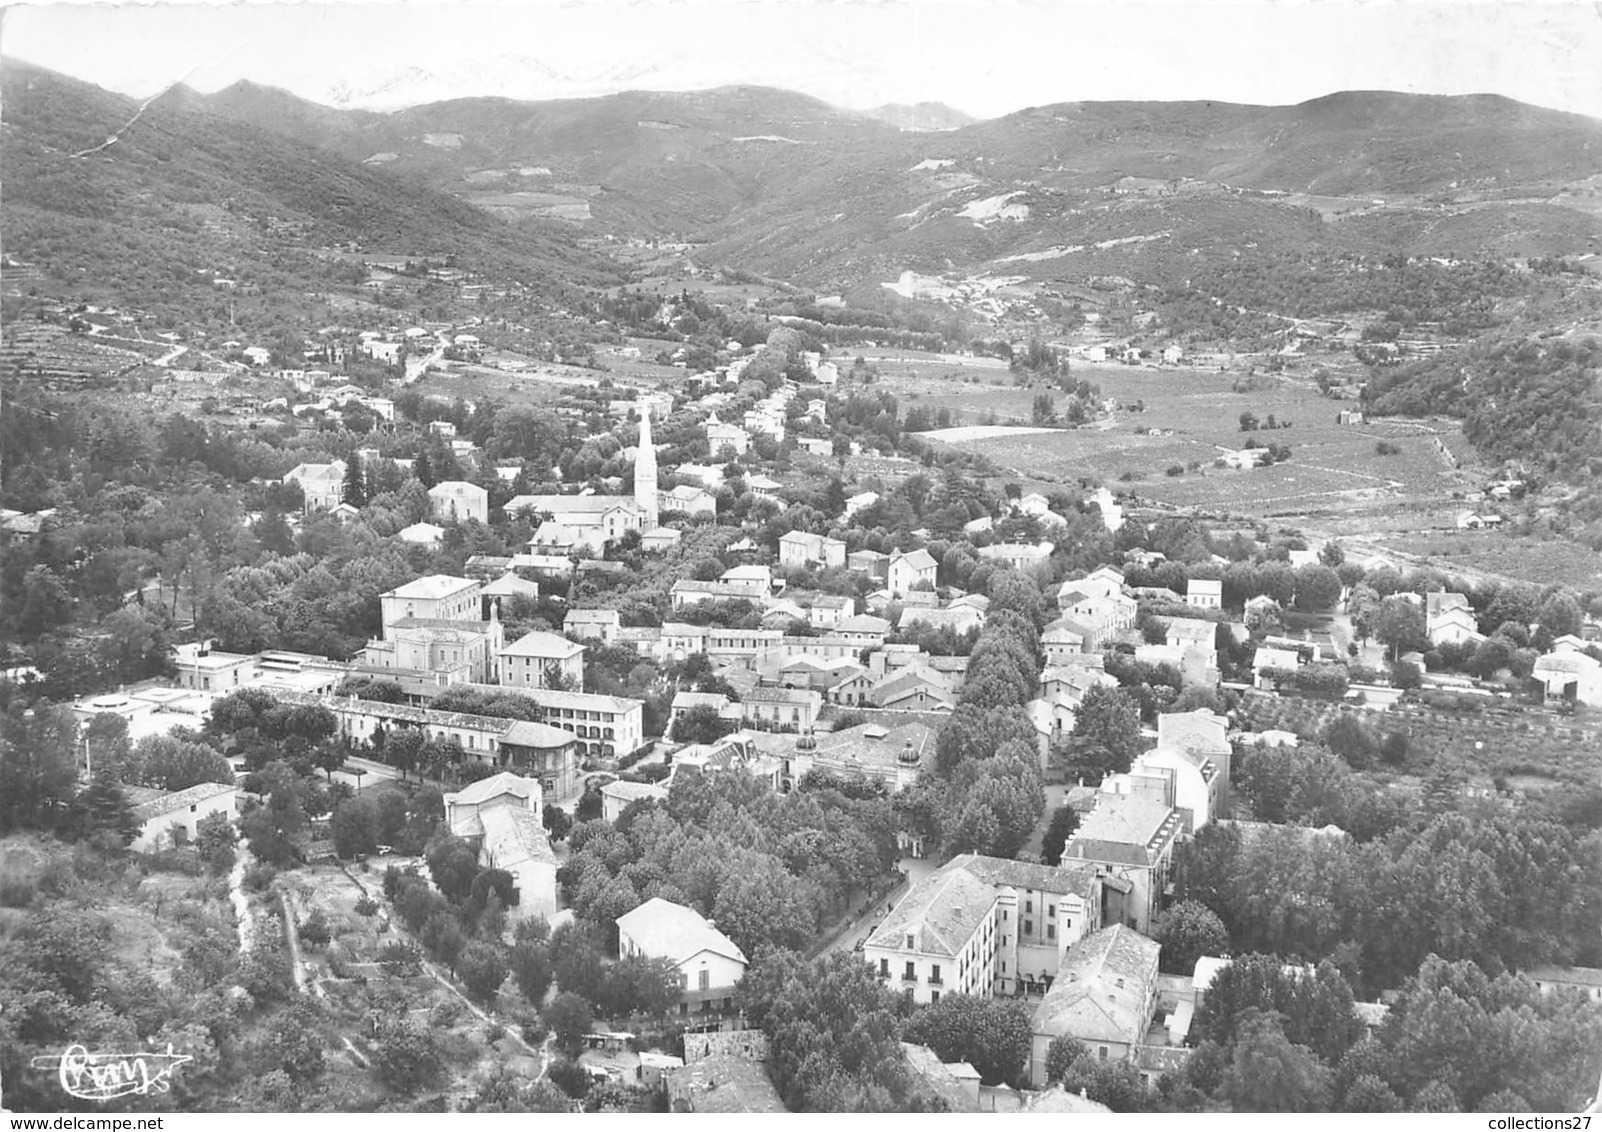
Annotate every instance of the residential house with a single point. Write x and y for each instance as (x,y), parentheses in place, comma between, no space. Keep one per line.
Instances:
(720,436)
(166,819)
(541,660)
(782,707)
(763,487)
(1202,735)
(710,965)
(502,814)
(1569,675)
(1065,638)
(1205,593)
(1267,661)
(873,563)
(457,501)
(827,611)
(959,619)
(690,500)
(1172,777)
(909,570)
(1133,837)
(1449,619)
(1020,556)
(863,630)
(592,625)
(753,582)
(1104,996)
(322,484)
(619,795)
(1549,979)
(799,548)
(946,936)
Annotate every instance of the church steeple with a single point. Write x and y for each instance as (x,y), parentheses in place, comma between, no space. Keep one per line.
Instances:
(645,473)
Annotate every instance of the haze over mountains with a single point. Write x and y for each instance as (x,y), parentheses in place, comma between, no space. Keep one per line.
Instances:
(787,185)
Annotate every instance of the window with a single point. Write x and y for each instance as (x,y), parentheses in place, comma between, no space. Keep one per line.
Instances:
(911,973)
(1101,1052)
(934,997)
(1051,910)
(1051,931)
(704,979)
(909,941)
(934,971)
(1029,927)
(884,967)
(1029,905)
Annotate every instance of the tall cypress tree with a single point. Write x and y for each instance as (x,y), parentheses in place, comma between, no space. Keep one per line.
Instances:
(355,489)
(424,470)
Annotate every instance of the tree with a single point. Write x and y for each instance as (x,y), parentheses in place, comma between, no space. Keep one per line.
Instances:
(355,827)
(405,1056)
(1349,738)
(1107,729)
(175,762)
(1318,588)
(1116,1084)
(354,489)
(640,985)
(530,961)
(482,969)
(1189,930)
(453,864)
(992,1035)
(557,822)
(701,724)
(1063,823)
(1369,1093)
(315,930)
(1399,624)
(1060,1054)
(568,1018)
(100,812)
(296,1043)
(1267,1073)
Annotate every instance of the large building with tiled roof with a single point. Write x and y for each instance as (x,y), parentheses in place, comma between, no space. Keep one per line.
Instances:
(1133,838)
(501,815)
(1104,996)
(985,925)
(891,755)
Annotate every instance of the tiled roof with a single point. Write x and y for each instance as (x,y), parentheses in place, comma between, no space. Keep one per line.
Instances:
(182,800)
(1124,829)
(941,913)
(1101,989)
(538,644)
(941,1078)
(722,1083)
(515,836)
(539,736)
(1069,878)
(477,793)
(432,586)
(665,930)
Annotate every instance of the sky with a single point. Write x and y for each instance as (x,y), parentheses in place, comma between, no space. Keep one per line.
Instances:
(984,57)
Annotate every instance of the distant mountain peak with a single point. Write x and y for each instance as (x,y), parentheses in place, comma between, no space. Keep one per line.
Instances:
(920,116)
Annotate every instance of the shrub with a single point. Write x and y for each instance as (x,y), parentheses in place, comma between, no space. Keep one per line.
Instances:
(570,1077)
(1175,470)
(258,878)
(400,959)
(367,906)
(315,930)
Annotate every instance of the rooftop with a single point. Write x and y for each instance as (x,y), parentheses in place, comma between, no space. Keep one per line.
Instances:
(182,800)
(722,1083)
(432,587)
(665,930)
(1123,828)
(941,914)
(543,645)
(1101,989)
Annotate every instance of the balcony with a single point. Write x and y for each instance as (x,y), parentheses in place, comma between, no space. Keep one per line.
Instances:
(909,976)
(936,981)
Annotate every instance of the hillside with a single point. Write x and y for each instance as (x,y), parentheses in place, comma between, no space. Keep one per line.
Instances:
(182,194)
(789,186)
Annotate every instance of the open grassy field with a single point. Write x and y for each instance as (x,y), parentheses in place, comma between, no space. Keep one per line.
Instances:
(1191,415)
(1544,561)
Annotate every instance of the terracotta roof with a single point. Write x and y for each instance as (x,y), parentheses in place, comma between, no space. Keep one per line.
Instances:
(665,930)
(1102,988)
(941,913)
(182,800)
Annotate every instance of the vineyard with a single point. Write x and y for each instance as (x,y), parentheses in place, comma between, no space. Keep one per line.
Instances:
(63,360)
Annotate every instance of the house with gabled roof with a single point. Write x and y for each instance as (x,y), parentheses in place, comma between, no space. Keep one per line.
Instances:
(909,569)
(592,624)
(167,819)
(710,964)
(541,660)
(501,815)
(1104,996)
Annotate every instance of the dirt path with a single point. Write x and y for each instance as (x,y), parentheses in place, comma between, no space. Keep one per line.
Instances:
(243,916)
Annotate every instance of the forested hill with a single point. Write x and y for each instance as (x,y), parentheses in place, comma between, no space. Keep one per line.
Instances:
(148,202)
(1531,399)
